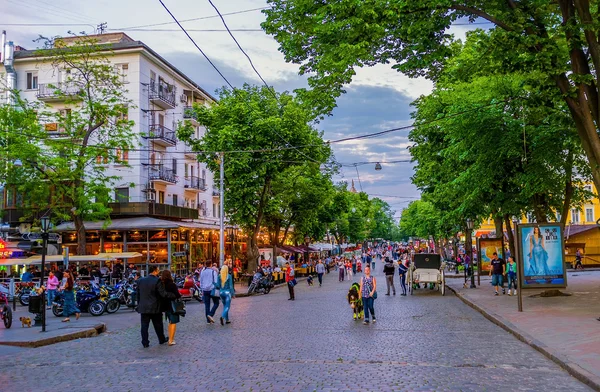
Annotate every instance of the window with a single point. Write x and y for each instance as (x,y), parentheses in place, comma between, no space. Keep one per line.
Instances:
(161,197)
(214,210)
(152,77)
(558,216)
(575,215)
(530,218)
(65,120)
(32,80)
(203,174)
(102,160)
(174,166)
(589,214)
(588,188)
(175,200)
(186,170)
(123,72)
(122,155)
(122,195)
(123,115)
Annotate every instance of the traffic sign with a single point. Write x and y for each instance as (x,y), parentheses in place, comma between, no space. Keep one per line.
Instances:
(38,236)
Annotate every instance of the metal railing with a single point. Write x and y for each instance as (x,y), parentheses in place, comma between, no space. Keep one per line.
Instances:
(163,91)
(57,90)
(216,191)
(152,209)
(160,172)
(195,183)
(157,131)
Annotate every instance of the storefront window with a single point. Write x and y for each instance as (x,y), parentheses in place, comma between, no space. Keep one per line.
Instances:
(113,247)
(158,253)
(113,236)
(69,238)
(92,237)
(137,236)
(139,248)
(174,235)
(158,235)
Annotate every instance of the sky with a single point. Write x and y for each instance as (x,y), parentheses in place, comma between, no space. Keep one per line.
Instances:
(378,98)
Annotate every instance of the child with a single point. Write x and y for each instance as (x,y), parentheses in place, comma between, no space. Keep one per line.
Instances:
(511,274)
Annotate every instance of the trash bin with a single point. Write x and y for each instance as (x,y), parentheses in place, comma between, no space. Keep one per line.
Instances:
(35,304)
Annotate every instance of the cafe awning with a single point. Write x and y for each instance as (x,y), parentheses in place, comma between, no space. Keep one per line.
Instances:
(137,223)
(122,255)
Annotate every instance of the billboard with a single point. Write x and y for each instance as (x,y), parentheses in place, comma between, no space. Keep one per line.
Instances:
(541,256)
(486,248)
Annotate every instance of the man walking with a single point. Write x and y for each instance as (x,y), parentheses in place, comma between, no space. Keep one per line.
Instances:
(290,279)
(208,278)
(497,272)
(354,265)
(388,270)
(320,268)
(149,294)
(341,270)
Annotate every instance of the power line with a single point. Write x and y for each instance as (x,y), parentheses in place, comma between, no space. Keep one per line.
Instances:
(194,30)
(192,19)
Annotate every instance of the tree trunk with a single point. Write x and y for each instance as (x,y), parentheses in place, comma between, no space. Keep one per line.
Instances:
(252,253)
(540,208)
(568,190)
(80,230)
(499,227)
(511,235)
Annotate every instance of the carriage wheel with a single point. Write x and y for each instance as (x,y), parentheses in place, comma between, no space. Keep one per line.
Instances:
(443,284)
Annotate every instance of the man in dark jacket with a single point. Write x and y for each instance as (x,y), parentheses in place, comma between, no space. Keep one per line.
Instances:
(389,270)
(150,291)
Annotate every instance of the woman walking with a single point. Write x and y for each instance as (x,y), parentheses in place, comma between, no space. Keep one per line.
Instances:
(227,293)
(69,307)
(368,287)
(167,304)
(51,286)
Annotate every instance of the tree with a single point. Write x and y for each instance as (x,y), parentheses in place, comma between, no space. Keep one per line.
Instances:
(383,218)
(64,169)
(255,129)
(557,39)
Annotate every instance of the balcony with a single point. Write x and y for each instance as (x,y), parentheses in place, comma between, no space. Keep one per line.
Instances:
(56,92)
(216,191)
(162,94)
(195,183)
(161,135)
(161,174)
(188,114)
(152,209)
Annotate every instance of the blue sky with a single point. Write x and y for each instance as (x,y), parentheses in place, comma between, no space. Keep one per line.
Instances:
(378,98)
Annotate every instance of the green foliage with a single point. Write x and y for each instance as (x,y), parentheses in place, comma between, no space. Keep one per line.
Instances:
(59,149)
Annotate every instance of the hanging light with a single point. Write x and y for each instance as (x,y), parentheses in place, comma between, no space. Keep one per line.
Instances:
(378,166)
(45,223)
(469,224)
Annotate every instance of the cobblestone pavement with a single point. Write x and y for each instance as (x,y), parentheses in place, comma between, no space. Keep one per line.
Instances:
(423,342)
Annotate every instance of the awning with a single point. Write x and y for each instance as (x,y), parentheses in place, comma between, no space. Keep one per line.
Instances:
(8,262)
(53,259)
(137,223)
(122,255)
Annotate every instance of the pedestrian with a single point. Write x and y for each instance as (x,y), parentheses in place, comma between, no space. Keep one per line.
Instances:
(389,270)
(402,269)
(511,275)
(497,272)
(368,287)
(578,263)
(354,265)
(69,307)
(290,279)
(348,269)
(51,286)
(27,276)
(341,270)
(227,293)
(320,269)
(208,279)
(150,292)
(167,304)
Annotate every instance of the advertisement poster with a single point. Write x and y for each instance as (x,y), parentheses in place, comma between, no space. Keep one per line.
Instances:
(542,254)
(487,247)
(266,255)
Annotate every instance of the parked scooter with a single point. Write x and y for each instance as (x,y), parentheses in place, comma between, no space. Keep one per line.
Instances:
(86,301)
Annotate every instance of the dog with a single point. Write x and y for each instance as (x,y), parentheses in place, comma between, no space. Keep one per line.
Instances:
(25,321)
(355,301)
(309,280)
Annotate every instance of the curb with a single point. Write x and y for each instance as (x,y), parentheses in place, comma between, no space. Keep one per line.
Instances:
(84,333)
(573,369)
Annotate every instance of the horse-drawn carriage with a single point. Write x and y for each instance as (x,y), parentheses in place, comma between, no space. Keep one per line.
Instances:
(427,268)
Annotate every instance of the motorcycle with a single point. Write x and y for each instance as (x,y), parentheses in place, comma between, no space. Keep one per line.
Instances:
(5,310)
(124,294)
(261,284)
(86,301)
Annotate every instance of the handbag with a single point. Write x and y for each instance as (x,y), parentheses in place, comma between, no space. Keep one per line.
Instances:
(375,295)
(292,282)
(178,307)
(216,291)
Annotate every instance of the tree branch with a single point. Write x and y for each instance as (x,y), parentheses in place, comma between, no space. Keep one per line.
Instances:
(481,14)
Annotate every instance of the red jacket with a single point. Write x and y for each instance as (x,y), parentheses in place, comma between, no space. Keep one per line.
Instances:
(287,274)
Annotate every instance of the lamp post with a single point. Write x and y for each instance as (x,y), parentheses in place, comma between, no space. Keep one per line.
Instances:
(45,224)
(469,240)
(517,260)
(221,209)
(306,242)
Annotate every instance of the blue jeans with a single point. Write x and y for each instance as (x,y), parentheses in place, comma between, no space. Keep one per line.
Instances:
(512,280)
(207,310)
(51,295)
(497,280)
(320,276)
(403,282)
(226,298)
(368,305)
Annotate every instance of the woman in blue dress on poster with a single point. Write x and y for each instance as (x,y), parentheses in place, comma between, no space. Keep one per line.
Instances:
(538,257)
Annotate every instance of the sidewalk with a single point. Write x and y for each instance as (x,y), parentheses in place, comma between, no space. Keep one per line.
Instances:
(563,328)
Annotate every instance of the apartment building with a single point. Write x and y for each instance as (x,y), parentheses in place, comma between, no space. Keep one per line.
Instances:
(168,182)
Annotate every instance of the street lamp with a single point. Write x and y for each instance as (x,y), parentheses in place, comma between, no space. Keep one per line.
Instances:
(45,224)
(378,166)
(306,242)
(469,240)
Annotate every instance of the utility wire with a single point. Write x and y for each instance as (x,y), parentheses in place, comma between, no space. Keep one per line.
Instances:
(192,19)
